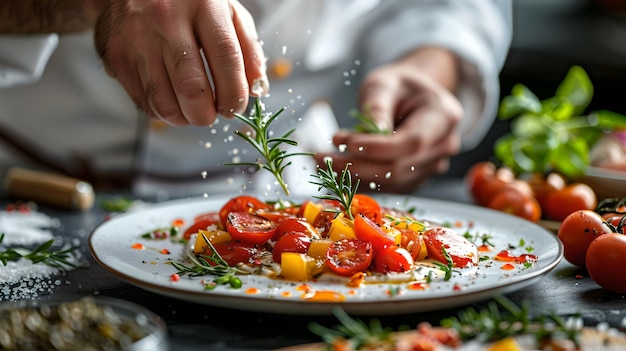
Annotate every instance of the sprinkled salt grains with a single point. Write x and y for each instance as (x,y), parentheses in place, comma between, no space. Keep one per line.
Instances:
(24,279)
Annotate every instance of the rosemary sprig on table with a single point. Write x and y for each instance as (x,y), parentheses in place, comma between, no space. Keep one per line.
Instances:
(212,264)
(355,332)
(41,254)
(342,189)
(501,318)
(269,148)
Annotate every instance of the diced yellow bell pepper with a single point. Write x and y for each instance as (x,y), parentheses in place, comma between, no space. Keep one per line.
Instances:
(341,228)
(311,210)
(393,233)
(318,248)
(214,236)
(507,344)
(296,266)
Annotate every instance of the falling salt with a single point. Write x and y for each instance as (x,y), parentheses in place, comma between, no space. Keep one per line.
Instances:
(226,128)
(387,175)
(289,91)
(236,159)
(203,174)
(213,131)
(284,50)
(357,62)
(347,83)
(361,148)
(412,168)
(207,145)
(373,186)
(342,147)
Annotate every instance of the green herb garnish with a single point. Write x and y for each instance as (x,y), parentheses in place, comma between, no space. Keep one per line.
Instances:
(118,204)
(212,264)
(273,157)
(41,254)
(358,334)
(341,190)
(553,134)
(446,268)
(366,122)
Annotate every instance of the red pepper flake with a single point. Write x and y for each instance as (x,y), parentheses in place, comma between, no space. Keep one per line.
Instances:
(456,287)
(138,246)
(579,276)
(174,277)
(165,251)
(508,267)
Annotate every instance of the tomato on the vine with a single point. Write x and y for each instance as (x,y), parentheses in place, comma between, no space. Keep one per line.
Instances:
(369,231)
(349,256)
(571,198)
(477,177)
(241,203)
(250,228)
(605,261)
(577,231)
(392,259)
(543,185)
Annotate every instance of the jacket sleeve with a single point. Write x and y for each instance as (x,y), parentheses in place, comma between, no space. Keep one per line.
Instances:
(478,31)
(24,58)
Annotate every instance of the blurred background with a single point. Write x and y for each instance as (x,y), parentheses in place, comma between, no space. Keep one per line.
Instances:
(550,36)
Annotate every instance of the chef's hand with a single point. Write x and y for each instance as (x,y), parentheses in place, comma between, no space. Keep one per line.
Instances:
(153,48)
(413,99)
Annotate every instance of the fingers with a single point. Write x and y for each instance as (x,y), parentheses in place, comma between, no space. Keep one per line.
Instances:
(156,52)
(377,96)
(253,55)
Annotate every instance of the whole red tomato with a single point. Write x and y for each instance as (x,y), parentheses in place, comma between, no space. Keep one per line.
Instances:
(606,259)
(577,232)
(571,198)
(477,178)
(544,185)
(516,203)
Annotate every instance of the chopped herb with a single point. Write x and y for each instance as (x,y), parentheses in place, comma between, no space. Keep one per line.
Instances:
(42,254)
(341,190)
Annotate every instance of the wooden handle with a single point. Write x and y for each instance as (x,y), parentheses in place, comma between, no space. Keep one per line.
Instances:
(49,188)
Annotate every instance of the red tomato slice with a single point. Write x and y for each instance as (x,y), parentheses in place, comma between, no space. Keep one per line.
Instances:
(295,225)
(367,206)
(241,203)
(203,221)
(462,252)
(392,259)
(322,222)
(249,228)
(369,231)
(349,256)
(234,252)
(291,242)
(276,216)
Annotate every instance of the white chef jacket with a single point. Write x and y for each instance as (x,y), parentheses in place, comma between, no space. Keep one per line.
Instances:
(56,99)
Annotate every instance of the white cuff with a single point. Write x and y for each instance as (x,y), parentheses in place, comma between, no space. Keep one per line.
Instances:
(23,58)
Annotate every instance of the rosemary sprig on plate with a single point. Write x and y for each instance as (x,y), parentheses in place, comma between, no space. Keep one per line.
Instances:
(273,157)
(41,254)
(341,189)
(212,264)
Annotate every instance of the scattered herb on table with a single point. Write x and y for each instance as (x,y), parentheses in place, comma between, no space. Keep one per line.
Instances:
(553,134)
(41,254)
(269,148)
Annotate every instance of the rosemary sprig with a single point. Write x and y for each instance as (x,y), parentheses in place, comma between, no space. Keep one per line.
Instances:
(342,189)
(212,264)
(366,122)
(41,254)
(269,148)
(358,334)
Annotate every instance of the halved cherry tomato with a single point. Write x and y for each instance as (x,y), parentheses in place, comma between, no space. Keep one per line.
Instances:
(323,221)
(367,230)
(291,242)
(203,221)
(295,225)
(577,231)
(605,261)
(573,197)
(234,252)
(462,252)
(392,259)
(276,216)
(249,228)
(367,206)
(241,203)
(349,256)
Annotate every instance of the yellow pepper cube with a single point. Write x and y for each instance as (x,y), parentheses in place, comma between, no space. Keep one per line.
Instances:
(341,228)
(214,236)
(318,248)
(296,266)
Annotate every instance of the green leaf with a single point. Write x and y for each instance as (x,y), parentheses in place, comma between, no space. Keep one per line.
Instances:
(521,100)
(572,158)
(558,108)
(577,88)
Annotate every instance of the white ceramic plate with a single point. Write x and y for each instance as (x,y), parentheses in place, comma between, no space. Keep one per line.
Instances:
(111,244)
